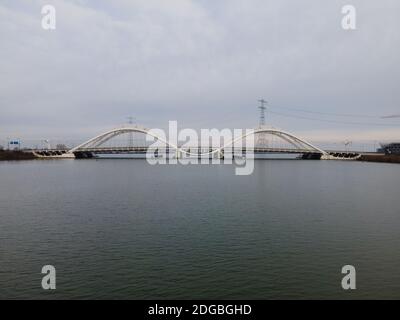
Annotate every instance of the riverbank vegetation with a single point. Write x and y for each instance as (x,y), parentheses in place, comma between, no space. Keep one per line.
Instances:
(16,155)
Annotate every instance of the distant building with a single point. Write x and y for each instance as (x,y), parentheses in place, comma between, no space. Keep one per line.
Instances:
(14,144)
(390,148)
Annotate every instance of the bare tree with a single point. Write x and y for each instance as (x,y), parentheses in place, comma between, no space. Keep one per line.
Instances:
(61,146)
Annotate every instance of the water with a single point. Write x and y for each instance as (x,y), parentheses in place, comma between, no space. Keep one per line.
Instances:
(125,229)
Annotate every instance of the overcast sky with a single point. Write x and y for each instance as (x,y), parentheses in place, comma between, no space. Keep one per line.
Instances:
(204,63)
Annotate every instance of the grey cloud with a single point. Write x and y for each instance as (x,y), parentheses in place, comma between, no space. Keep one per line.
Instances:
(203,63)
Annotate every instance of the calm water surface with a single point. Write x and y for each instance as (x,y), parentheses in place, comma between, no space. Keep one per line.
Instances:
(125,229)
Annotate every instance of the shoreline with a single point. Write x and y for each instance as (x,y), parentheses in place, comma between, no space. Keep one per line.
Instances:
(6,155)
(16,155)
(384,158)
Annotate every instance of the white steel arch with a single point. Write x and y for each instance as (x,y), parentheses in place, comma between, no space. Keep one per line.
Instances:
(288,137)
(104,137)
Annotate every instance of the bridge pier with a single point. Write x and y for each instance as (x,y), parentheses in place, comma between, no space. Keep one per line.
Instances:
(311,156)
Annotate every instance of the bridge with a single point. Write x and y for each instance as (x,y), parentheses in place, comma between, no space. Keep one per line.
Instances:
(288,144)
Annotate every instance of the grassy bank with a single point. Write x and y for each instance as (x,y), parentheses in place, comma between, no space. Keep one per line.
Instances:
(15,155)
(391,158)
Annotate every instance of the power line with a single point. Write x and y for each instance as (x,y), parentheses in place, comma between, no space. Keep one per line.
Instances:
(332,114)
(391,116)
(335,121)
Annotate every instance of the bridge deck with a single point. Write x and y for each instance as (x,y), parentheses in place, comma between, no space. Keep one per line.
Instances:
(195,150)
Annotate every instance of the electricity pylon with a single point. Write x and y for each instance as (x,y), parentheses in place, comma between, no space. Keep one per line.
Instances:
(130,138)
(262,140)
